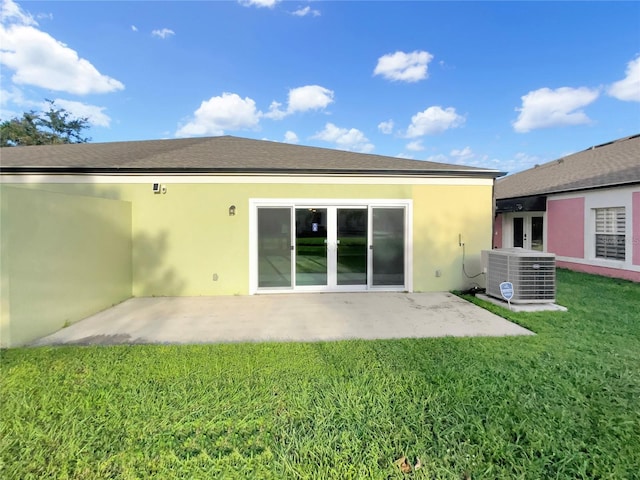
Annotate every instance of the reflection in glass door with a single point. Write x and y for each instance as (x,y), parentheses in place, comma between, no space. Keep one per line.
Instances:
(311,246)
(537,231)
(351,246)
(518,232)
(274,247)
(388,246)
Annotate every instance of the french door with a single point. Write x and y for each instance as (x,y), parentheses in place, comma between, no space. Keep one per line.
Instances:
(331,247)
(527,232)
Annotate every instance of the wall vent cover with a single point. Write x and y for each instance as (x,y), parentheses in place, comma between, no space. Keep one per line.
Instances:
(532,273)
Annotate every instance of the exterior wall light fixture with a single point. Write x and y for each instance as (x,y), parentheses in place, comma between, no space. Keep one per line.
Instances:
(232,210)
(158,188)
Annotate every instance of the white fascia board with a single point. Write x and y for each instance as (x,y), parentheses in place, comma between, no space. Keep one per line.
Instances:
(243,179)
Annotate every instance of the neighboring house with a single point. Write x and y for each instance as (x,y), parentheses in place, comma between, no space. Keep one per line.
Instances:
(585,208)
(89,225)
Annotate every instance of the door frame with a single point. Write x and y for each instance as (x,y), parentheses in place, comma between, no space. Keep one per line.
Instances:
(507,228)
(255,203)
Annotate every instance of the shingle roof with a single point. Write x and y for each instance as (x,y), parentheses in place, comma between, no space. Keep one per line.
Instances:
(610,164)
(223,154)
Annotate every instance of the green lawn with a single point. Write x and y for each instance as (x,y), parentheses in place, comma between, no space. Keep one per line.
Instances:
(562,404)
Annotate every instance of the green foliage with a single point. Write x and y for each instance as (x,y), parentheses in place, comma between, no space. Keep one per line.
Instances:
(54,126)
(562,404)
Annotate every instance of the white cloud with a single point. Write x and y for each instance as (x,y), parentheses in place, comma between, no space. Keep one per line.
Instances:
(134,28)
(290,137)
(525,160)
(462,154)
(258,3)
(386,127)
(401,66)
(164,33)
(310,97)
(93,113)
(11,13)
(220,114)
(415,146)
(434,120)
(14,96)
(546,108)
(520,161)
(303,12)
(38,59)
(275,112)
(44,16)
(345,139)
(302,99)
(440,158)
(14,102)
(8,99)
(628,89)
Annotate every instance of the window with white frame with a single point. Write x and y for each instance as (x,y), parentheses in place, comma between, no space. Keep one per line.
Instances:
(610,229)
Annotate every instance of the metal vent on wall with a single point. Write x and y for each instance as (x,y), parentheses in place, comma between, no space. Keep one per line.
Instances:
(532,273)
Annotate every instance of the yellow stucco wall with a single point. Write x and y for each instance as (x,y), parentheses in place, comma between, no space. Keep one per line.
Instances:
(441,214)
(64,257)
(180,239)
(193,236)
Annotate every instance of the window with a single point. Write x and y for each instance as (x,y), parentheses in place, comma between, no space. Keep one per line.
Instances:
(610,228)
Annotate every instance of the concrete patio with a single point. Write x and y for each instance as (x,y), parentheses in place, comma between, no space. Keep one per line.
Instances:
(287,317)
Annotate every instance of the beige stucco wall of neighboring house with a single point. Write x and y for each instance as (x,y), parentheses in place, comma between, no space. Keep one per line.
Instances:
(64,257)
(182,237)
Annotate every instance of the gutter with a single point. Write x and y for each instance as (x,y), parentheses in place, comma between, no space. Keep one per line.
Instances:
(247,171)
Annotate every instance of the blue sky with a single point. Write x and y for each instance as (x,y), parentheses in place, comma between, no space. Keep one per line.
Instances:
(502,85)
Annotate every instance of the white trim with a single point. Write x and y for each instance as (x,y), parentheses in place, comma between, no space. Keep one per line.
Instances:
(331,203)
(243,179)
(601,263)
(607,199)
(507,228)
(599,192)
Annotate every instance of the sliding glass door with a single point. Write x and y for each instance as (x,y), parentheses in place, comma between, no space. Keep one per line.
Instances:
(351,246)
(388,246)
(274,247)
(331,247)
(311,246)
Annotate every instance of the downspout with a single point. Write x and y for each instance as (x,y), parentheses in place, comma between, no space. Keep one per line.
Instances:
(494,214)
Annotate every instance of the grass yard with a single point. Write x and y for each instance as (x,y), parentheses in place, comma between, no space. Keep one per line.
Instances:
(562,404)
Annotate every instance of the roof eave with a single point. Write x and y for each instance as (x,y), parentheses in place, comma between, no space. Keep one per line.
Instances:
(25,170)
(571,190)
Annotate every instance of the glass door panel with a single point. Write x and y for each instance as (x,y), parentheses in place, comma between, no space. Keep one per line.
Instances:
(311,246)
(274,247)
(518,232)
(388,246)
(537,241)
(352,246)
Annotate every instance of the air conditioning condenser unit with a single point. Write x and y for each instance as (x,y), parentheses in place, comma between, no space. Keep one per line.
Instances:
(532,273)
